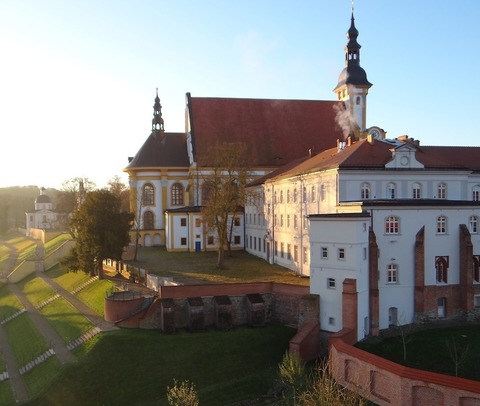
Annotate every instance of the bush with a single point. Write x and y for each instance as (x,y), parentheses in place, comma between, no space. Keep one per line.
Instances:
(182,394)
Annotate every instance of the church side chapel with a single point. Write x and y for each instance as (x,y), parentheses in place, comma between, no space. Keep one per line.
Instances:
(387,229)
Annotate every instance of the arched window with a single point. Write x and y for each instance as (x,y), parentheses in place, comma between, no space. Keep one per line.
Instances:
(288,195)
(441,225)
(476,193)
(392,225)
(416,191)
(295,193)
(391,191)
(392,273)
(281,196)
(176,192)
(365,194)
(148,220)
(148,195)
(313,194)
(207,189)
(323,192)
(476,268)
(442,190)
(473,224)
(441,267)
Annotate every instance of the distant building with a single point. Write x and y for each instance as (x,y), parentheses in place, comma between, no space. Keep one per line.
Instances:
(44,217)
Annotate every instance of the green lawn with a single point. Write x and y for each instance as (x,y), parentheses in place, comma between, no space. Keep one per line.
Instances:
(6,393)
(94,294)
(430,350)
(25,340)
(42,376)
(9,303)
(53,244)
(200,267)
(36,290)
(67,321)
(67,280)
(134,367)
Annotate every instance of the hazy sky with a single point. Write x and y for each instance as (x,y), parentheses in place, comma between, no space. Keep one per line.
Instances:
(78,77)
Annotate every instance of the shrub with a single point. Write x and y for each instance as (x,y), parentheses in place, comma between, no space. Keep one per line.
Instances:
(182,394)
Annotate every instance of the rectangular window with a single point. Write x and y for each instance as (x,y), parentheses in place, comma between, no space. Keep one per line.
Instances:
(255,243)
(236,222)
(476,301)
(324,253)
(305,255)
(331,321)
(441,225)
(236,240)
(295,253)
(341,254)
(281,220)
(276,248)
(282,249)
(183,222)
(331,283)
(210,240)
(392,274)
(288,220)
(392,225)
(289,255)
(183,241)
(198,222)
(295,221)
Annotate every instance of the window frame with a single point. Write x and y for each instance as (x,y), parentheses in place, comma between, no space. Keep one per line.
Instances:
(148,194)
(392,225)
(392,274)
(177,194)
(441,226)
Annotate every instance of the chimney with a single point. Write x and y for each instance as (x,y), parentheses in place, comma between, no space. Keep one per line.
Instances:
(370,139)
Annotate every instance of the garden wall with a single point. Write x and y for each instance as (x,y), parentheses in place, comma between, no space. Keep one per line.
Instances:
(387,383)
(223,306)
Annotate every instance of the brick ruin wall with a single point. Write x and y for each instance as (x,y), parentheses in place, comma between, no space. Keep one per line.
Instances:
(387,383)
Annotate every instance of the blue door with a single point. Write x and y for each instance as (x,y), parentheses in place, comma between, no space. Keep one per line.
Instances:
(198,246)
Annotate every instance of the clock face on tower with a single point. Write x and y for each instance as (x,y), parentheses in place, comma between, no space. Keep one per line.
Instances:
(376,133)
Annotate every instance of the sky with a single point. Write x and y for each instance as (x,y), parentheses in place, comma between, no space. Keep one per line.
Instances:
(78,77)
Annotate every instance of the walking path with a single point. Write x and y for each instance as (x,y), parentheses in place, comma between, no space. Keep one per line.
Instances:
(60,349)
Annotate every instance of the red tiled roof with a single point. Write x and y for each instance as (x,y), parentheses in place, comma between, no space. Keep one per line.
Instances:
(275,131)
(362,154)
(171,151)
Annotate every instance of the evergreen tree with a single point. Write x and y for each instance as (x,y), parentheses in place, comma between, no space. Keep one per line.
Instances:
(101,230)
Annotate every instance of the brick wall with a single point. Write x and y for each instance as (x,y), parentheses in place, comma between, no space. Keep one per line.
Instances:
(387,383)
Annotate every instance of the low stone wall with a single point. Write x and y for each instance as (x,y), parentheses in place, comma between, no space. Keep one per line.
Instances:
(387,383)
(282,303)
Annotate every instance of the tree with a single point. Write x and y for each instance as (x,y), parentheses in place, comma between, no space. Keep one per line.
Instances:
(72,193)
(101,230)
(458,351)
(225,174)
(121,190)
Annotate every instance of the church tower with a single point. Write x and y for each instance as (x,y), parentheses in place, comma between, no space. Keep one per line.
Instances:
(352,87)
(158,130)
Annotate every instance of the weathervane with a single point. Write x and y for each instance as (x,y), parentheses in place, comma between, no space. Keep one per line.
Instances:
(353,5)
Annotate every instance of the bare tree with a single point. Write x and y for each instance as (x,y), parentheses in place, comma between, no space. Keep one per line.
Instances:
(458,352)
(72,192)
(121,190)
(224,172)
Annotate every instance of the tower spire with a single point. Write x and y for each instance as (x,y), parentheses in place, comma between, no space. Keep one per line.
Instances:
(158,130)
(352,87)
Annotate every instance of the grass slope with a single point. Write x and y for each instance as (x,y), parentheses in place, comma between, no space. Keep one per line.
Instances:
(132,367)
(429,350)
